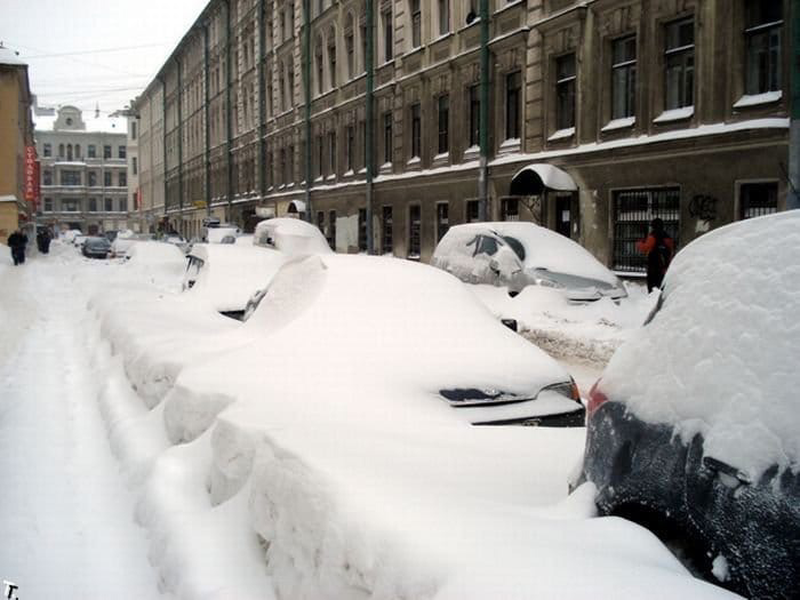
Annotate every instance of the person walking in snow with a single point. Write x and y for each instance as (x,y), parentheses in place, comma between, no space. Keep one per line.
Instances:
(43,240)
(17,242)
(658,247)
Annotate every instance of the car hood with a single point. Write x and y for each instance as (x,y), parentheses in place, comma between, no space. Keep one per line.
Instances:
(575,287)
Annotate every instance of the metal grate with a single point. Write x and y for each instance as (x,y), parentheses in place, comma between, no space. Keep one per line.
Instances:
(633,212)
(758,199)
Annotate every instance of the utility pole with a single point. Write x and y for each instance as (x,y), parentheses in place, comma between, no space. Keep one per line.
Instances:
(370,133)
(793,197)
(483,175)
(307,86)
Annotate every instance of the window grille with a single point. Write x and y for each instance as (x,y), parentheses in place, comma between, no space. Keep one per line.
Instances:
(634,210)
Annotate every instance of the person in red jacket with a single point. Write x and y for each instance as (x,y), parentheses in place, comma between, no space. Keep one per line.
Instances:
(659,248)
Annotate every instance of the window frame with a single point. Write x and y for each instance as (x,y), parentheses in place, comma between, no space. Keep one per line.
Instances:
(629,67)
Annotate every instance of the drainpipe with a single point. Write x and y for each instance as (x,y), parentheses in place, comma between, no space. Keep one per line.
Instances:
(206,116)
(793,197)
(229,113)
(483,175)
(307,117)
(370,118)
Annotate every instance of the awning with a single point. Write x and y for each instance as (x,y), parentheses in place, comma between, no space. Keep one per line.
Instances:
(296,206)
(534,179)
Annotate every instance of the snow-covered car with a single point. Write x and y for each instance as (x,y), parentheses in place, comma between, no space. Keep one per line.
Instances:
(70,235)
(694,427)
(293,237)
(177,240)
(438,345)
(222,234)
(124,242)
(226,276)
(516,255)
(79,240)
(96,247)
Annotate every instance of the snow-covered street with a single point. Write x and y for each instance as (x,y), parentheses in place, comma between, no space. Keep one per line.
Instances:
(147,452)
(67,516)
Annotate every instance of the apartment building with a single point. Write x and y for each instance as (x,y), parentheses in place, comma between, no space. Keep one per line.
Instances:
(602,115)
(84,170)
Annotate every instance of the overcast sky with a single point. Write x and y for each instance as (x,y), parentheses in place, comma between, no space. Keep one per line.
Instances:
(107,50)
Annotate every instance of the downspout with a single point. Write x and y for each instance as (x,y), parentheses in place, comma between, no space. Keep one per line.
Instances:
(206,116)
(370,133)
(229,112)
(483,174)
(307,85)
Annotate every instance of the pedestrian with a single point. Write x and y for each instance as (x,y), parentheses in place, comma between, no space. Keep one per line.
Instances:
(17,242)
(658,247)
(43,240)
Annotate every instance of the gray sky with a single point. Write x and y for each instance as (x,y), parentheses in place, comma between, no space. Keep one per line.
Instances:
(148,30)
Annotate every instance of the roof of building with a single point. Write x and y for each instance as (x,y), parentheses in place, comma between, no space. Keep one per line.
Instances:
(94,124)
(9,57)
(8,198)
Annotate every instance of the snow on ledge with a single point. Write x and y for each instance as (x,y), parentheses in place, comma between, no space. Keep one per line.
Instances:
(756,99)
(676,114)
(562,134)
(619,124)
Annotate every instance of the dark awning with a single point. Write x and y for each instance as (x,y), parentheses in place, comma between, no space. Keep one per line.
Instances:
(534,179)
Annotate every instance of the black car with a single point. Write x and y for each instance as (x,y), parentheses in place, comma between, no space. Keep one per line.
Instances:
(694,430)
(96,247)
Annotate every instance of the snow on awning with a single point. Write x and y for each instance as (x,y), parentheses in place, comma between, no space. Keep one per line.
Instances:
(296,206)
(534,179)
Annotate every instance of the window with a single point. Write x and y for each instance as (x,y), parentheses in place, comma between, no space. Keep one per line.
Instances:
(332,56)
(758,199)
(123,179)
(764,23)
(123,205)
(70,205)
(91,178)
(564,215)
(414,231)
(349,47)
(48,205)
(416,130)
(473,211)
(320,156)
(387,234)
(416,24)
(623,78)
(444,16)
(332,152)
(290,90)
(513,104)
(332,229)
(47,149)
(134,166)
(61,151)
(363,29)
(107,179)
(443,123)
(362,229)
(47,177)
(350,147)
(634,210)
(565,91)
(91,151)
(679,64)
(108,205)
(388,42)
(106,151)
(77,150)
(70,178)
(474,115)
(69,152)
(318,60)
(290,165)
(509,208)
(92,204)
(133,130)
(321,221)
(387,138)
(442,220)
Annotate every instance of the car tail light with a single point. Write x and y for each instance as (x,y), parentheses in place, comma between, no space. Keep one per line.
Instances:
(596,398)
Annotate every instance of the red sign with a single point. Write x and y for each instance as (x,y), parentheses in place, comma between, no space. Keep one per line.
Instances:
(30,174)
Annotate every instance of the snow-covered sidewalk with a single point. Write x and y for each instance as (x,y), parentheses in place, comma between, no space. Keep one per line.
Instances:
(66,517)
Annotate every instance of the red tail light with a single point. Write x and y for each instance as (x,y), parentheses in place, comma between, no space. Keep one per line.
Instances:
(596,398)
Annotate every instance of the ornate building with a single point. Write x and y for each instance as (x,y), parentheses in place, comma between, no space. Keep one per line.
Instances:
(602,114)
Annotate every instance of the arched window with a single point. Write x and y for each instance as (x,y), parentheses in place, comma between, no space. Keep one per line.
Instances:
(349,45)
(362,30)
(77,150)
(290,81)
(318,63)
(332,56)
(61,151)
(69,152)
(282,85)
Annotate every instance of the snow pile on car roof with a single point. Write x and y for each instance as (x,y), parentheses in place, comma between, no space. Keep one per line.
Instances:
(159,263)
(720,357)
(291,236)
(544,249)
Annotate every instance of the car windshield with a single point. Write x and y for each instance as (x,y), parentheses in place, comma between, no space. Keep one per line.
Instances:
(515,245)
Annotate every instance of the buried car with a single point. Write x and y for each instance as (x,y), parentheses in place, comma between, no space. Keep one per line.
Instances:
(96,247)
(516,255)
(418,333)
(226,276)
(291,236)
(694,427)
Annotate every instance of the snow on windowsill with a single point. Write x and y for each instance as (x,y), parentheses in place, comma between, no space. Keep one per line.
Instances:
(619,124)
(510,145)
(676,114)
(348,173)
(756,99)
(562,134)
(415,162)
(385,168)
(442,158)
(472,152)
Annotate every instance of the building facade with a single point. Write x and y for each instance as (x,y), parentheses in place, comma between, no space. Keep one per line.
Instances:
(84,170)
(16,134)
(137,221)
(642,108)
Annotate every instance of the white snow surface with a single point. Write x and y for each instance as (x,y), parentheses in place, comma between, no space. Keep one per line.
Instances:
(293,237)
(215,235)
(720,357)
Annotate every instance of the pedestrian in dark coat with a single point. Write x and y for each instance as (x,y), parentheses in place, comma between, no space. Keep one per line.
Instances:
(17,242)
(659,248)
(43,240)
